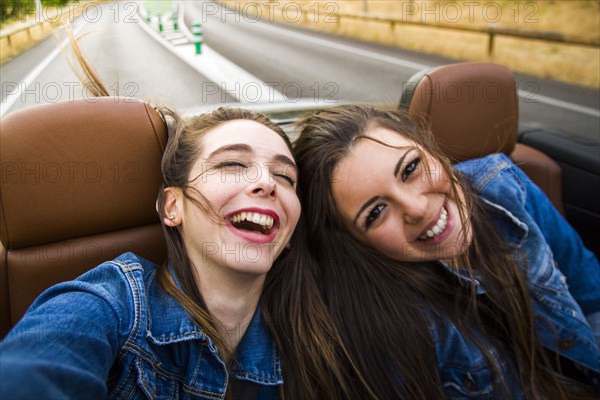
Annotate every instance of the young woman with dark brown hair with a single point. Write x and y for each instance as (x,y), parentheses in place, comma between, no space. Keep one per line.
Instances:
(444,281)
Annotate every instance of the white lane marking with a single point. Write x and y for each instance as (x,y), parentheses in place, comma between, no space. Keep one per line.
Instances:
(408,64)
(228,77)
(11,98)
(533,98)
(343,47)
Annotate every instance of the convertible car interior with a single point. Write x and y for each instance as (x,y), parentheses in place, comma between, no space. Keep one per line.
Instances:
(80,178)
(79,186)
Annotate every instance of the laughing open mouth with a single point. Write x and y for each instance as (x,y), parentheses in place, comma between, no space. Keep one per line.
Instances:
(253,221)
(438,228)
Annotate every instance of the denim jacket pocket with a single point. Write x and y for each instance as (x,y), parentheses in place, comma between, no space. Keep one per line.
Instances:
(544,273)
(467,383)
(151,385)
(550,289)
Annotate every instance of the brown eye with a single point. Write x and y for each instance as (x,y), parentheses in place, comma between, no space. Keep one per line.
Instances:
(373,214)
(410,168)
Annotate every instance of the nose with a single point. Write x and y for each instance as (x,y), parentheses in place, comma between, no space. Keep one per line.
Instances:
(264,185)
(413,206)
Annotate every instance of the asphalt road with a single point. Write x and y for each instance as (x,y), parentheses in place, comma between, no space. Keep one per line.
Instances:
(129,62)
(344,68)
(294,61)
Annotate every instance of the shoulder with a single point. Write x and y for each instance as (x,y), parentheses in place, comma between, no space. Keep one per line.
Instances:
(124,274)
(496,179)
(125,267)
(491,171)
(502,187)
(115,286)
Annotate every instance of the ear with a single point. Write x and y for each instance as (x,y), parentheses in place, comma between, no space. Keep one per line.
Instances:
(172,207)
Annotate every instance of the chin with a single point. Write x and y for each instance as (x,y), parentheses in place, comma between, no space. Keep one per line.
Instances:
(256,259)
(454,249)
(257,268)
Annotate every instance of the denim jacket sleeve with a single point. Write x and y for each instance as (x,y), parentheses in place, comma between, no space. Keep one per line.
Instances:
(512,189)
(574,260)
(68,340)
(550,237)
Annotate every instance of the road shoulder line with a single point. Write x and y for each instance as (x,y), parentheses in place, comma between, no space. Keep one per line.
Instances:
(232,79)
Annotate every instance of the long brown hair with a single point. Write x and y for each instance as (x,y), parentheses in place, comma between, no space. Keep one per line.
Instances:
(387,311)
(290,302)
(183,148)
(314,362)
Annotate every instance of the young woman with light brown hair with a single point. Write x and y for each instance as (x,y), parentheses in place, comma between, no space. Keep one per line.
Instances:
(233,313)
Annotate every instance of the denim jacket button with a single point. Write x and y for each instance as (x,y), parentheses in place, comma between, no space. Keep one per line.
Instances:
(469,382)
(566,344)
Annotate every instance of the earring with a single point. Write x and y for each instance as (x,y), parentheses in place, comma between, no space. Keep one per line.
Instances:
(171,217)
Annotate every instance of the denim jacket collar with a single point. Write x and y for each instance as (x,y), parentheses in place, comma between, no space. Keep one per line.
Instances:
(463,277)
(480,173)
(257,358)
(167,320)
(512,228)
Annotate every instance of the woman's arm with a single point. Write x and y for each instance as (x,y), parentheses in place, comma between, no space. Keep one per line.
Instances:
(575,261)
(499,180)
(66,343)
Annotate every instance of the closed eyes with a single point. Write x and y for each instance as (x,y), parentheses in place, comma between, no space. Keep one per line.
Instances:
(230,165)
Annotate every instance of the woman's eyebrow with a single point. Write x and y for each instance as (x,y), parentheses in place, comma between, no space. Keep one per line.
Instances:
(285,160)
(238,147)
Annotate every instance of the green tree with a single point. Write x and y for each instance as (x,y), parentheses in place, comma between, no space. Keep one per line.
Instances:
(19,9)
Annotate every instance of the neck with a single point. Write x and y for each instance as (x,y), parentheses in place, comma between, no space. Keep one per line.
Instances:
(232,298)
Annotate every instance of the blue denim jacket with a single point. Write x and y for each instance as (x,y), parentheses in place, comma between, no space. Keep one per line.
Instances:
(115,333)
(563,278)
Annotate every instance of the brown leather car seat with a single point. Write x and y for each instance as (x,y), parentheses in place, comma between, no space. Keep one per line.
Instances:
(78,187)
(473,110)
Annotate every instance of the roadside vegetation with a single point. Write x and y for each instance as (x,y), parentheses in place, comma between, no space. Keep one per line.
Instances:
(21,27)
(19,10)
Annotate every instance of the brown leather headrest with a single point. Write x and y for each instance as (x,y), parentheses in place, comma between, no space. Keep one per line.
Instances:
(472,108)
(78,168)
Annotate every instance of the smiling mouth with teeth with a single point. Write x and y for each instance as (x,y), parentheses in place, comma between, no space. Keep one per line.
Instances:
(438,228)
(253,221)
